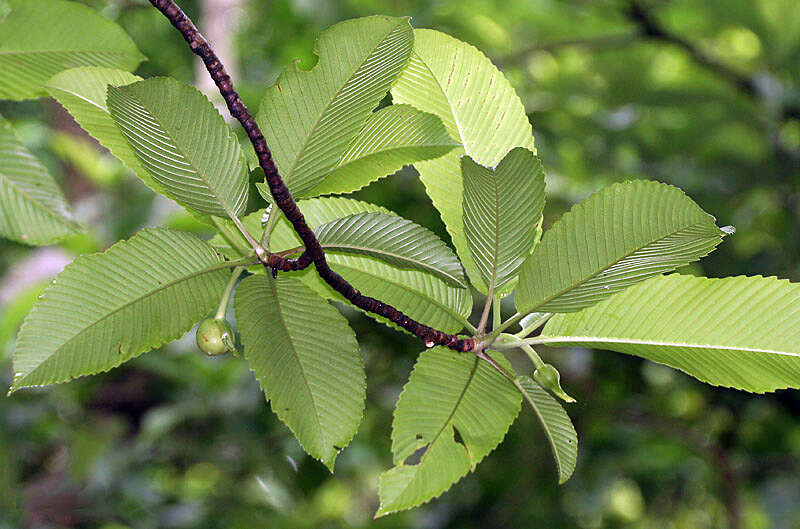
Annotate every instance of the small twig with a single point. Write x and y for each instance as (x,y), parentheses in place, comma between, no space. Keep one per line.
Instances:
(284,200)
(485,314)
(497,315)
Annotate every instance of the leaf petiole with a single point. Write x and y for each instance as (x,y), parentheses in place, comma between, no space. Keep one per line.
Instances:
(226,294)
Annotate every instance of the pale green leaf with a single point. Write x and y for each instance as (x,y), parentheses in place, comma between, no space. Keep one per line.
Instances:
(310,118)
(32,208)
(306,359)
(502,207)
(41,38)
(395,240)
(82,91)
(557,426)
(623,234)
(392,137)
(449,394)
(104,309)
(420,295)
(184,143)
(478,107)
(739,332)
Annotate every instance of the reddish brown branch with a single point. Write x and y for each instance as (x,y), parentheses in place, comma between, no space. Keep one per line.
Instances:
(283,198)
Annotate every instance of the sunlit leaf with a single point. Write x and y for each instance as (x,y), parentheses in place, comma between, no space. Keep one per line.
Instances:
(39,38)
(623,234)
(311,118)
(478,107)
(739,332)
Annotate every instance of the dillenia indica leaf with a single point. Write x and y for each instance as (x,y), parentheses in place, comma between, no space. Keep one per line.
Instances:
(557,426)
(320,123)
(502,207)
(184,143)
(395,240)
(391,138)
(306,359)
(478,107)
(104,309)
(82,91)
(739,332)
(454,410)
(421,295)
(623,234)
(40,38)
(32,208)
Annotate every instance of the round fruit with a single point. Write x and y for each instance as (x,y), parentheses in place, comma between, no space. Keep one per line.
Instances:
(215,337)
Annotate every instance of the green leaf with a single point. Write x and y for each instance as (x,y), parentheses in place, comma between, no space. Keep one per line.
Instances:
(392,137)
(39,39)
(739,332)
(306,359)
(619,236)
(557,426)
(395,240)
(456,408)
(104,309)
(478,107)
(310,118)
(420,295)
(32,208)
(184,143)
(82,91)
(502,207)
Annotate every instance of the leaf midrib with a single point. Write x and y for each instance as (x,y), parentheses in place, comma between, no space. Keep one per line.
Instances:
(548,430)
(274,287)
(609,265)
(81,97)
(657,343)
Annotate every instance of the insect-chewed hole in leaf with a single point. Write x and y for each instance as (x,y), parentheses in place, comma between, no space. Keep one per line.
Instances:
(416,457)
(457,437)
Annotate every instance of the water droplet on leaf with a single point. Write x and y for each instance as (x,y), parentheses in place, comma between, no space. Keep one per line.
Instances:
(429,344)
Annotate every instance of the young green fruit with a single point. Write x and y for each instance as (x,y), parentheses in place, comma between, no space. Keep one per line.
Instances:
(215,337)
(548,377)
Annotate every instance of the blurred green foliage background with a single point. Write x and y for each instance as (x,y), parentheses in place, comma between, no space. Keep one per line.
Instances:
(701,94)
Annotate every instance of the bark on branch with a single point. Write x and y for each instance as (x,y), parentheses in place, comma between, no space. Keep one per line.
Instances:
(284,200)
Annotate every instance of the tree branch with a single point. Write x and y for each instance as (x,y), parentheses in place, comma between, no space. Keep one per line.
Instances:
(652,28)
(284,200)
